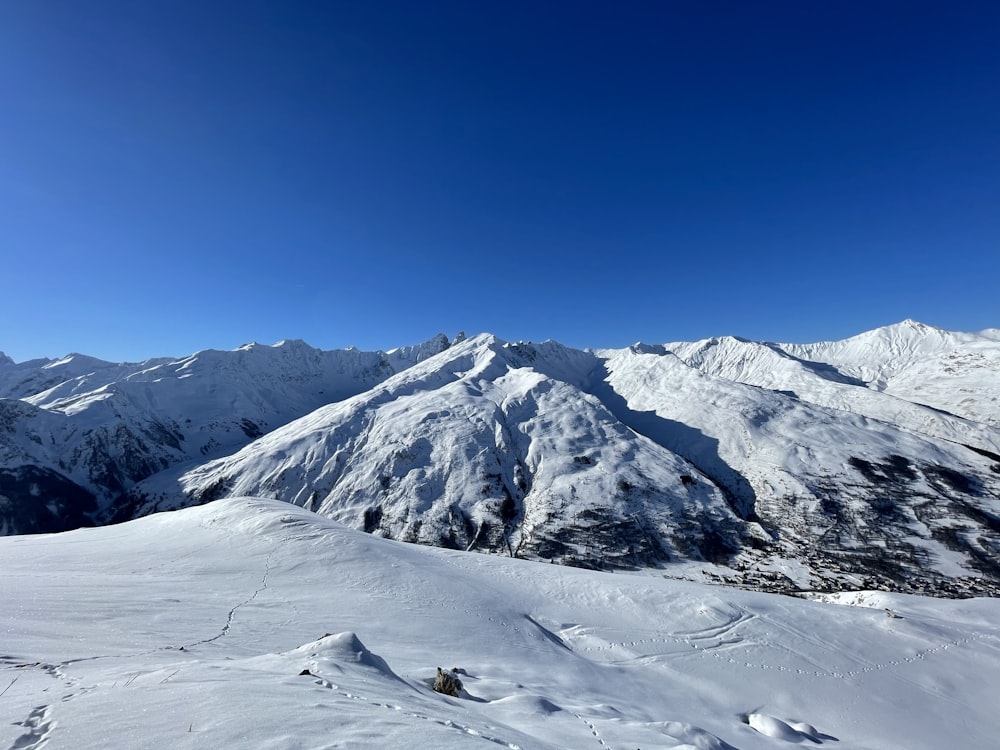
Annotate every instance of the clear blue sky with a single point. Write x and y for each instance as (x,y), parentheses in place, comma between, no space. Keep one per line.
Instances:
(178,175)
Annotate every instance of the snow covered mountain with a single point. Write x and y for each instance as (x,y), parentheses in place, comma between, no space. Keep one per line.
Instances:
(250,624)
(955,372)
(868,463)
(80,432)
(484,446)
(936,375)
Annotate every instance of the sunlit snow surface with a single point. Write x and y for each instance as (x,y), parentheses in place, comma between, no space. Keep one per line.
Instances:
(255,624)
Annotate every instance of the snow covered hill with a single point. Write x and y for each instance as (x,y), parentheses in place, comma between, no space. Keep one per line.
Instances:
(253,624)
(868,463)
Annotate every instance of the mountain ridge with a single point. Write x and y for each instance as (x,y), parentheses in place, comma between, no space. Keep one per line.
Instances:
(766,465)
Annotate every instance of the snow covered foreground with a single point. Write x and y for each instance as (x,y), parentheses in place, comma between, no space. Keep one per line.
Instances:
(250,623)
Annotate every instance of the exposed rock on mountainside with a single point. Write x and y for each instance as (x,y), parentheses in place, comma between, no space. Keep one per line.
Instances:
(776,466)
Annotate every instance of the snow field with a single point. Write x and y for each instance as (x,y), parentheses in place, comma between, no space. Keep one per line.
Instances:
(251,623)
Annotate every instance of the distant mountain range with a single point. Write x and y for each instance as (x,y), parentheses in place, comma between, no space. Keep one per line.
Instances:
(872,462)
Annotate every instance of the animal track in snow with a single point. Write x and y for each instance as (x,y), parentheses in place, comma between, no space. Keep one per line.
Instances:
(449,723)
(39,725)
(728,651)
(593,731)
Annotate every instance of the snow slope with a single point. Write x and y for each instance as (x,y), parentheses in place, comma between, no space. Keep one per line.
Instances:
(845,494)
(955,372)
(100,428)
(475,449)
(772,367)
(23,379)
(775,466)
(631,458)
(253,624)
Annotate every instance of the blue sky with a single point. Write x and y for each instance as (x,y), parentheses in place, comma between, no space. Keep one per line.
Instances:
(182,175)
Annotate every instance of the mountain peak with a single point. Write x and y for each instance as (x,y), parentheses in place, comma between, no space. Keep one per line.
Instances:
(908,327)
(78,360)
(917,327)
(426,350)
(294,347)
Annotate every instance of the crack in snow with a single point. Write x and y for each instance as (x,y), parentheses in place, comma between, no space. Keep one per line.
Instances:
(231,617)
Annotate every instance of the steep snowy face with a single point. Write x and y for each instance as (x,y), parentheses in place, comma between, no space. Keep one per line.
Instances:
(405,356)
(58,471)
(843,494)
(476,449)
(99,427)
(34,493)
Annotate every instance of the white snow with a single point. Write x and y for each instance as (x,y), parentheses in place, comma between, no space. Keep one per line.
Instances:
(649,454)
(953,371)
(250,623)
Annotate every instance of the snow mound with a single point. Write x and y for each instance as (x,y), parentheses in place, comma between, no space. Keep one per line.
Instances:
(528,704)
(794,731)
(332,652)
